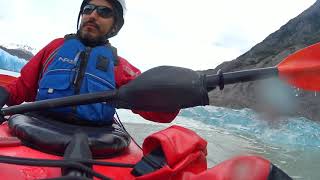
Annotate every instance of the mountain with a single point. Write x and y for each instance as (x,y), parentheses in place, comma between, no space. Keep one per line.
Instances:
(21,51)
(298,33)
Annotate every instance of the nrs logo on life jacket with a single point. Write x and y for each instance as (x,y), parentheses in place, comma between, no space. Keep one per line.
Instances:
(77,69)
(66,60)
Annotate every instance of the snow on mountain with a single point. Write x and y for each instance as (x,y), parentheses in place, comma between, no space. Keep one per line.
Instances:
(10,62)
(24,47)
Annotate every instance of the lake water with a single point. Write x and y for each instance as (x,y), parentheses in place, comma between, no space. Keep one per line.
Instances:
(293,144)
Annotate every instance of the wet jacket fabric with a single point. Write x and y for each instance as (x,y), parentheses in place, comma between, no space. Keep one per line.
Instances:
(25,88)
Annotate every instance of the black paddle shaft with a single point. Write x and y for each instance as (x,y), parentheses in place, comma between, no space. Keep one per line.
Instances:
(220,79)
(60,102)
(166,94)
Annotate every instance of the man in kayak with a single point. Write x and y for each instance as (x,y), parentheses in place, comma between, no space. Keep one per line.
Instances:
(80,63)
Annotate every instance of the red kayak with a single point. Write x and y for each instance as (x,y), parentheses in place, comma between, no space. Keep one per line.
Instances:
(48,149)
(173,153)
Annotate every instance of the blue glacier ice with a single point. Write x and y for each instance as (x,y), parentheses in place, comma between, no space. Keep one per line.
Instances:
(10,62)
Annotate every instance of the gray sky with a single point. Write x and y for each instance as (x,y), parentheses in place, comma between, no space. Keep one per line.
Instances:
(194,34)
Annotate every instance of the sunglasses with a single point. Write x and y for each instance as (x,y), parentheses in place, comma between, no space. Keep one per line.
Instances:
(102,11)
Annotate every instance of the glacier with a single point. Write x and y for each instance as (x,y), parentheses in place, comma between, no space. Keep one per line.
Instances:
(10,62)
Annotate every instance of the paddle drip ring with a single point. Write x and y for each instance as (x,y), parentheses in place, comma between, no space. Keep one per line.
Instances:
(221,79)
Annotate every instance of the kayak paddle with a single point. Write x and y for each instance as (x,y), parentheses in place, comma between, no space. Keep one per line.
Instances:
(300,69)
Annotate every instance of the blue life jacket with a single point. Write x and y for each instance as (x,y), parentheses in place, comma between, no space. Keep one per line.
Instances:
(77,69)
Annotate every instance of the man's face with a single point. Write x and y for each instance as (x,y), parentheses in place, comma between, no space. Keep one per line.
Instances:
(93,26)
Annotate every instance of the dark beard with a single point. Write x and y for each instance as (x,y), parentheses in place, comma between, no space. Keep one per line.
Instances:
(88,40)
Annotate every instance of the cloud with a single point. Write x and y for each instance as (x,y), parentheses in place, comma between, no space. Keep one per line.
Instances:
(200,34)
(188,33)
(5,5)
(35,22)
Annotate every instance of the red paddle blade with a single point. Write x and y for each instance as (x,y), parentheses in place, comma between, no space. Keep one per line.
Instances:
(6,79)
(302,69)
